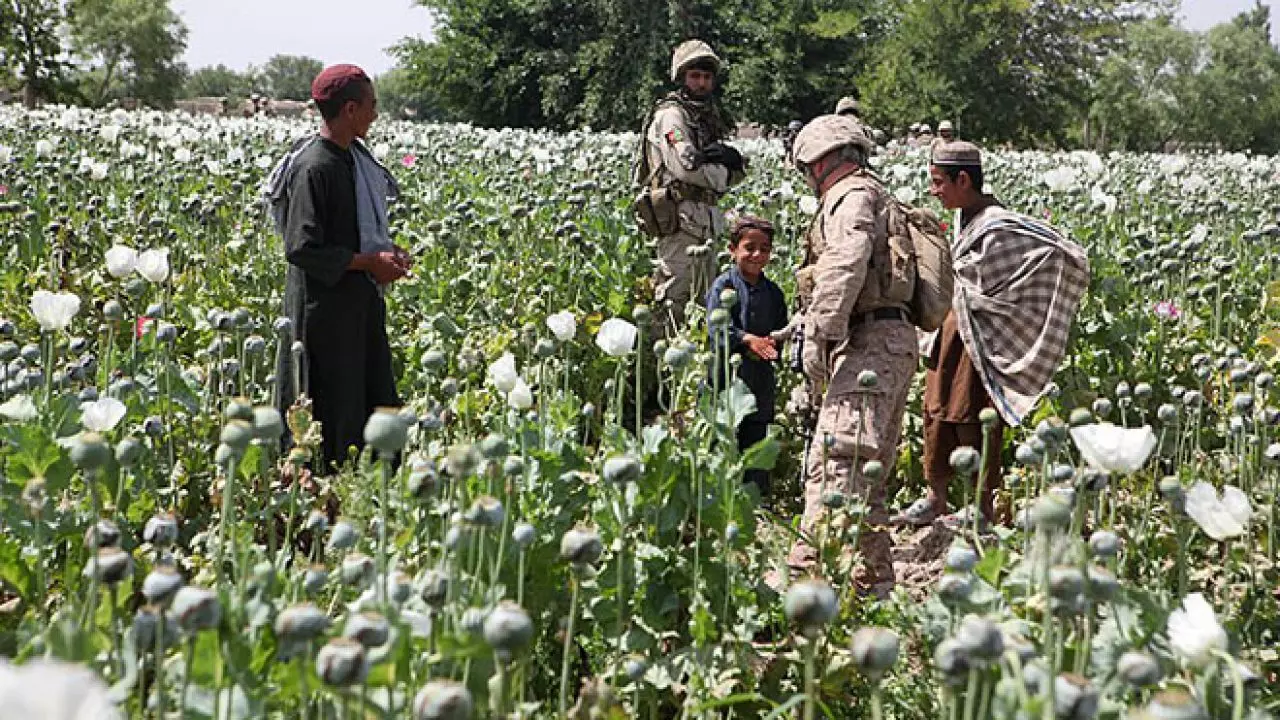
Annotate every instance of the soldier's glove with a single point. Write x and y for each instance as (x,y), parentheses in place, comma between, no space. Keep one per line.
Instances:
(726,155)
(814,357)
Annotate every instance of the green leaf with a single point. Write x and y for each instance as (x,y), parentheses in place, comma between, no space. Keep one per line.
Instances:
(763,455)
(991,565)
(14,571)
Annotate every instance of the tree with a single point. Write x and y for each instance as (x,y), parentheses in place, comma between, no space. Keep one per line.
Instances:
(1143,90)
(218,81)
(398,97)
(288,77)
(131,48)
(30,45)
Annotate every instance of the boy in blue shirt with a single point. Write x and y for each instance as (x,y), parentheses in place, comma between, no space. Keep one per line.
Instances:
(755,322)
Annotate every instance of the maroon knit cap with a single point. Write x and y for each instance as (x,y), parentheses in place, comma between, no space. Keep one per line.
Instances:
(333,79)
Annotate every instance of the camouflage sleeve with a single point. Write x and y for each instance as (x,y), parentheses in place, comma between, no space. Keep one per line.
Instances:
(841,270)
(673,141)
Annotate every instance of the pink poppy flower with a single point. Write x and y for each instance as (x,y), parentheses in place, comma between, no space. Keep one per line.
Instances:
(409,160)
(1166,310)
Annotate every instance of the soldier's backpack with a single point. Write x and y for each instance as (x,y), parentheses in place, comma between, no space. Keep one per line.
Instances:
(656,208)
(918,231)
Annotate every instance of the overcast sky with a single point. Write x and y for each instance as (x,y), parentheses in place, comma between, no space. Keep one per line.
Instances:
(239,33)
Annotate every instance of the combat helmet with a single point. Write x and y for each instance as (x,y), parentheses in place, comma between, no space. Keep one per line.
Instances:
(689,52)
(826,133)
(848,106)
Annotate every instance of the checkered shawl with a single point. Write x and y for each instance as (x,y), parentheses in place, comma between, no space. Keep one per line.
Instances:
(1018,284)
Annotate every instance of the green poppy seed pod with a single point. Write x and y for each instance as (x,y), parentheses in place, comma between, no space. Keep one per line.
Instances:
(315,578)
(102,533)
(810,604)
(544,348)
(238,409)
(112,310)
(1167,413)
(1075,698)
(955,588)
(1138,669)
(1103,584)
(301,623)
(1123,390)
(833,499)
(873,470)
(399,587)
(1050,513)
(642,315)
(718,319)
(462,460)
(507,629)
(875,650)
(1272,454)
(316,522)
(1035,677)
(1095,480)
(1080,416)
(472,621)
(267,423)
(867,379)
(988,417)
(622,469)
(196,609)
(485,511)
(1173,493)
(961,558)
(952,660)
(513,466)
(298,457)
(161,530)
(342,662)
(236,435)
(146,624)
(357,569)
(580,546)
(1027,456)
(735,361)
(524,534)
(109,565)
(1143,391)
(1066,582)
(434,361)
(1172,705)
(981,638)
(448,388)
(635,667)
(342,536)
(1102,407)
(160,585)
(728,298)
(386,432)
(370,629)
(494,447)
(964,460)
(675,357)
(1242,403)
(1104,544)
(442,700)
(435,588)
(128,451)
(89,452)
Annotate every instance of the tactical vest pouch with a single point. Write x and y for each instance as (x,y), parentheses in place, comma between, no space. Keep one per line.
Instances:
(656,211)
(898,279)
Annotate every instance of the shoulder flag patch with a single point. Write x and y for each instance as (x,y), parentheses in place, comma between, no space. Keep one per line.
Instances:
(674,136)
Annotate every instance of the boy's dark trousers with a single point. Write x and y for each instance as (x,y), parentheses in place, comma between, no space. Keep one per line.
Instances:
(751,432)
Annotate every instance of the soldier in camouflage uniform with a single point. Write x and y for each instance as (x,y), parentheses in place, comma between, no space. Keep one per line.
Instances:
(850,107)
(856,320)
(684,146)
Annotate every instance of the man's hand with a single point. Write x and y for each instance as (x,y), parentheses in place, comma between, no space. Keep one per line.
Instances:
(815,358)
(386,267)
(726,155)
(763,347)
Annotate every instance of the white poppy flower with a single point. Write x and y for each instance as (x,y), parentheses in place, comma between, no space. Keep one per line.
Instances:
(1194,632)
(1114,449)
(808,204)
(19,408)
(121,261)
(1060,180)
(906,194)
(54,311)
(520,397)
(110,133)
(1173,165)
(1145,187)
(154,265)
(54,690)
(1220,518)
(1194,183)
(562,325)
(786,191)
(44,148)
(6,154)
(98,170)
(502,373)
(616,337)
(182,155)
(119,116)
(102,415)
(1101,199)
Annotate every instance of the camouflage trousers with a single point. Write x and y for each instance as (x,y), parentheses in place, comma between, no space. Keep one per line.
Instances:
(677,277)
(856,425)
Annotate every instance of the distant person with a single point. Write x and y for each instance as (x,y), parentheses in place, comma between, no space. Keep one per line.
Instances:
(946,134)
(332,199)
(850,107)
(1018,285)
(755,325)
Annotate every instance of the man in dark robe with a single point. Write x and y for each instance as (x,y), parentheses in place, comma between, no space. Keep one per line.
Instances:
(333,291)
